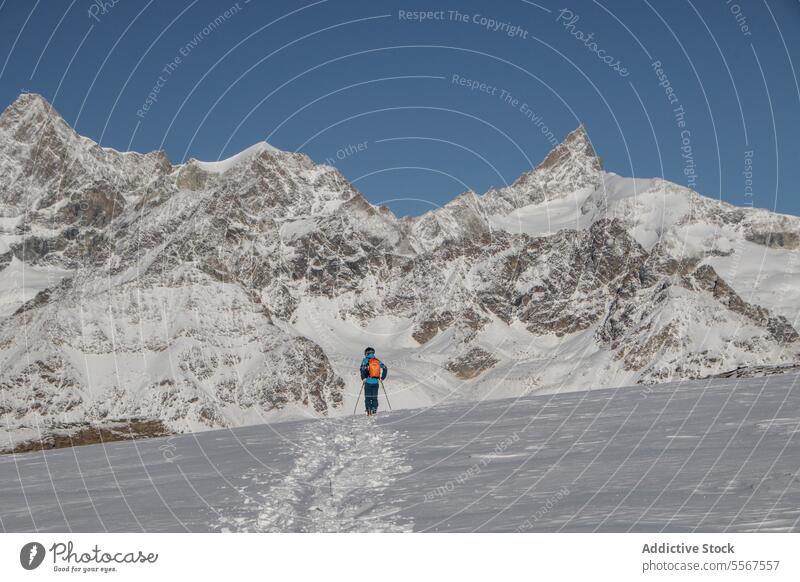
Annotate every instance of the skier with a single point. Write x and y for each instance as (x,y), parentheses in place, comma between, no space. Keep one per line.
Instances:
(372,372)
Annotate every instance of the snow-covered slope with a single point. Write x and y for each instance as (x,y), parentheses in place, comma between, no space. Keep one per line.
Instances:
(214,294)
(697,456)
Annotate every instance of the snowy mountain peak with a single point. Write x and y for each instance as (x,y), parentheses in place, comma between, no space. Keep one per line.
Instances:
(30,116)
(572,166)
(243,157)
(46,166)
(29,103)
(31,120)
(575,149)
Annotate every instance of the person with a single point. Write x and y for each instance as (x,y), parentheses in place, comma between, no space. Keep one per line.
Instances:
(372,372)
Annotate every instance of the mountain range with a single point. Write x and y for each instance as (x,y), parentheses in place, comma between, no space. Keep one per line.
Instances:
(215,294)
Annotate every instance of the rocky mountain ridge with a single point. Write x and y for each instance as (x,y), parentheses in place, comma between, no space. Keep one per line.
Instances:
(224,293)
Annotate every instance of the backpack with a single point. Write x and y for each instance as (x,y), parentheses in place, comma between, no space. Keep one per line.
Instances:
(374,368)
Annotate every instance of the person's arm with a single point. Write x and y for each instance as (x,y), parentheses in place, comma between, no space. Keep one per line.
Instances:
(384,371)
(364,372)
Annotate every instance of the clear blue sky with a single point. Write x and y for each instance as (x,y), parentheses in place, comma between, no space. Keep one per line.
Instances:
(325,76)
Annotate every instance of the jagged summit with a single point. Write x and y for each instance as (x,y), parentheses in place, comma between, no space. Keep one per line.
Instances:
(45,166)
(575,148)
(572,166)
(31,117)
(30,102)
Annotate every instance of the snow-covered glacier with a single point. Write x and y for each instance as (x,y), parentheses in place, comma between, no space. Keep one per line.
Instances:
(708,456)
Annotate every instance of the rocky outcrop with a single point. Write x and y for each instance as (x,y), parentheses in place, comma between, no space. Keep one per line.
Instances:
(707,279)
(62,435)
(471,364)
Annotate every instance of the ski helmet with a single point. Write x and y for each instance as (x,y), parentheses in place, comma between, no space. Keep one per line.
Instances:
(368,350)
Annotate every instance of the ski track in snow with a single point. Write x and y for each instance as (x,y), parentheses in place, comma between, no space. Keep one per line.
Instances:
(336,481)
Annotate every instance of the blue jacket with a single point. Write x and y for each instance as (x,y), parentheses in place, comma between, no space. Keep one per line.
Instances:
(365,371)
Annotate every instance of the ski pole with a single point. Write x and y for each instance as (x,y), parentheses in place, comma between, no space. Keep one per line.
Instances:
(385,394)
(358,398)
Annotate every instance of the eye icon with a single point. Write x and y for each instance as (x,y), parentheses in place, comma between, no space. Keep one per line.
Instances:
(31,555)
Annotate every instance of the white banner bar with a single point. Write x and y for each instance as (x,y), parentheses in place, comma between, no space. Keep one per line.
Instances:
(372,557)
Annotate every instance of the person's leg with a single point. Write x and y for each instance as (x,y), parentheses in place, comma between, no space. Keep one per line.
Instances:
(371,398)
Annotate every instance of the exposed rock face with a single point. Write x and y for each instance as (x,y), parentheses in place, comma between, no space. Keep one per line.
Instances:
(63,435)
(773,239)
(707,279)
(215,294)
(759,371)
(471,364)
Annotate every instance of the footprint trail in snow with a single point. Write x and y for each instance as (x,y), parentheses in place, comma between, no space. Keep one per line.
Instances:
(338,481)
